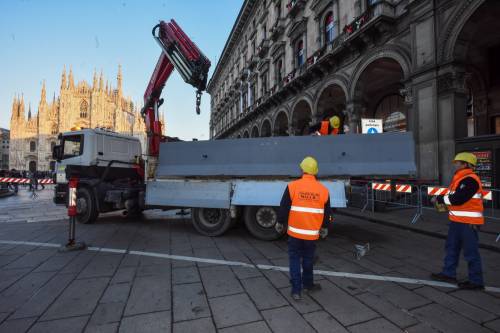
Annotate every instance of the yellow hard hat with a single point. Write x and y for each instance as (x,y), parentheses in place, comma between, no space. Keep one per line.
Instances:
(466,157)
(309,165)
(335,122)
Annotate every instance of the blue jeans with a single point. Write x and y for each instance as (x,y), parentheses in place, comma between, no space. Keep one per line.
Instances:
(301,251)
(463,236)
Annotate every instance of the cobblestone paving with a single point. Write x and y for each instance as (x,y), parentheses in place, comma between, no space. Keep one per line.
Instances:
(42,290)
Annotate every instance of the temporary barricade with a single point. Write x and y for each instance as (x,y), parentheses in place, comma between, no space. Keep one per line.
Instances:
(12,180)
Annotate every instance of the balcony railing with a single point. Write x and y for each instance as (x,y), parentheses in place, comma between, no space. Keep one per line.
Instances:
(263,48)
(277,29)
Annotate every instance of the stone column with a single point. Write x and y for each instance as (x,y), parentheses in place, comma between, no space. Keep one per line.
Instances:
(354,111)
(452,104)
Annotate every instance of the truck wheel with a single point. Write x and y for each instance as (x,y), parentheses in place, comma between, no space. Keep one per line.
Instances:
(211,221)
(86,206)
(260,221)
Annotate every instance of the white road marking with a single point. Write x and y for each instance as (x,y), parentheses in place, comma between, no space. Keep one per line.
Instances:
(258,266)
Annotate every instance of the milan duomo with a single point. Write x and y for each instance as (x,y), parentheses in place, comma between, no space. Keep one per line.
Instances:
(78,105)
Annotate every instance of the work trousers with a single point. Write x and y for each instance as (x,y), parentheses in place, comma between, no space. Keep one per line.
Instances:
(463,236)
(301,251)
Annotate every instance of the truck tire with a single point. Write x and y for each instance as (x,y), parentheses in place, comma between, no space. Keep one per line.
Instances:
(211,221)
(86,206)
(260,222)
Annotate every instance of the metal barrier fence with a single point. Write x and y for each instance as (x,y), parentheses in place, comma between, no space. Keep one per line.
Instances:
(387,196)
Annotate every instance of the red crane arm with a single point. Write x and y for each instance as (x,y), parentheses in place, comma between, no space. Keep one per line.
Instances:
(179,52)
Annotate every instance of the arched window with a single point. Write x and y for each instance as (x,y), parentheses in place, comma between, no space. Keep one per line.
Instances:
(54,130)
(300,53)
(32,146)
(329,28)
(84,109)
(279,71)
(392,111)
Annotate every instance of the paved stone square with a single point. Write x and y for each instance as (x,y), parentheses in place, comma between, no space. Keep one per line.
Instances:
(156,274)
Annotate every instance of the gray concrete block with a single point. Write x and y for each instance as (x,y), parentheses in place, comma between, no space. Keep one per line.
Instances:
(307,304)
(104,328)
(69,325)
(219,281)
(182,275)
(286,320)
(481,300)
(10,276)
(397,295)
(56,262)
(116,293)
(79,263)
(445,320)
(149,294)
(494,325)
(190,302)
(376,325)
(17,325)
(37,304)
(80,298)
(22,290)
(259,327)
(204,325)
(32,259)
(278,279)
(465,309)
(147,323)
(343,307)
(106,313)
(246,272)
(421,328)
(263,293)
(233,310)
(124,275)
(321,321)
(398,316)
(101,265)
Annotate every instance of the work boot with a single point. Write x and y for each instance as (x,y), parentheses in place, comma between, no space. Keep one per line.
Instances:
(467,285)
(443,278)
(296,297)
(313,288)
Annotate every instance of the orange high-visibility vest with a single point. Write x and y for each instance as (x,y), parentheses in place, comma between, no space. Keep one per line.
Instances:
(308,198)
(335,131)
(325,126)
(470,212)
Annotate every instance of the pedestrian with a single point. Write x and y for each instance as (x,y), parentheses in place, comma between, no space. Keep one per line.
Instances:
(304,214)
(465,212)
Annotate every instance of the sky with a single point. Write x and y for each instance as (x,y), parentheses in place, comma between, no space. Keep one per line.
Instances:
(38,38)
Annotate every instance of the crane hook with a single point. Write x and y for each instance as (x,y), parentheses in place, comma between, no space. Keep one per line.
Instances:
(198,101)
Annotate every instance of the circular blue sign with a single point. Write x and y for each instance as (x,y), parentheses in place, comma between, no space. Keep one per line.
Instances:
(372,130)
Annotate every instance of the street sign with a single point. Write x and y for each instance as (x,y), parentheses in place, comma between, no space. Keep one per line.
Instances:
(371,126)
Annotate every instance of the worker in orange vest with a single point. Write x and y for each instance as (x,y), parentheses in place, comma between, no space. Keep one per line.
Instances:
(304,213)
(328,126)
(465,211)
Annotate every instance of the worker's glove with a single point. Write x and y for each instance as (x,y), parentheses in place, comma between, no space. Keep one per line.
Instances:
(323,232)
(279,228)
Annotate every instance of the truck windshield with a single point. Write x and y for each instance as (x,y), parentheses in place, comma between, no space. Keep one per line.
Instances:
(72,146)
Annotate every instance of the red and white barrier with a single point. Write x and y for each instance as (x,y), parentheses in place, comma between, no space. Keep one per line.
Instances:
(24,180)
(403,188)
(443,191)
(381,187)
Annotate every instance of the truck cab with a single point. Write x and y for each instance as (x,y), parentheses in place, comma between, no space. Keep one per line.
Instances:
(108,167)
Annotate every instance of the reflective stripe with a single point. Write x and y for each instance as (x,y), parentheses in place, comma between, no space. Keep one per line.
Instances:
(477,196)
(303,231)
(307,210)
(446,199)
(465,214)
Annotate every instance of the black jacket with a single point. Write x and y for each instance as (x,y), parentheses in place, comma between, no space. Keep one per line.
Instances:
(464,192)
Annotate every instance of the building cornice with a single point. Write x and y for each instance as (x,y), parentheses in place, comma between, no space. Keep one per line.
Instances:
(239,24)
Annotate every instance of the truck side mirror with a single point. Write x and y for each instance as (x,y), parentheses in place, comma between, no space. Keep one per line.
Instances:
(56,153)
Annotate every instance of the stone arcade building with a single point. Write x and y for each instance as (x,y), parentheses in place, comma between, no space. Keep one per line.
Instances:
(429,67)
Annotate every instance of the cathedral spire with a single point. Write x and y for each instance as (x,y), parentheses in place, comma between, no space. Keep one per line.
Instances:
(119,80)
(101,82)
(94,81)
(71,80)
(63,79)
(29,112)
(43,96)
